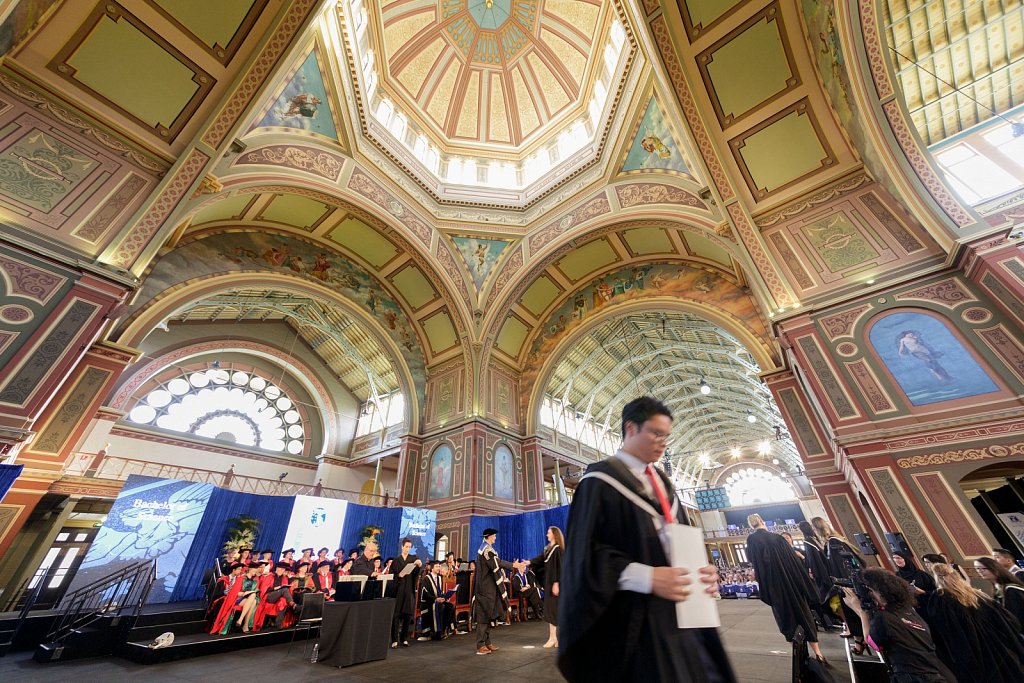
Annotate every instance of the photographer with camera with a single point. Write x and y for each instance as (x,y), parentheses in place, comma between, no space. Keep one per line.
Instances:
(885,605)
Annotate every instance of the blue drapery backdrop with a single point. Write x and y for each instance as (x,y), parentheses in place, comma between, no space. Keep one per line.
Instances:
(521,536)
(274,513)
(8,473)
(358,517)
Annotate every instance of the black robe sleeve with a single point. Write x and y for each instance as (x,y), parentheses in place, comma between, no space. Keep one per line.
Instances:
(1013,601)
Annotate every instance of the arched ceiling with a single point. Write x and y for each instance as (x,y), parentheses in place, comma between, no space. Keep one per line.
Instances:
(940,47)
(355,356)
(666,354)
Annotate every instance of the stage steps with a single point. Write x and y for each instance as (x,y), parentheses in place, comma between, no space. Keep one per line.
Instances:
(203,644)
(181,622)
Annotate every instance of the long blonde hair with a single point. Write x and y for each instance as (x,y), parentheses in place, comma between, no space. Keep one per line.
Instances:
(825,530)
(556,534)
(950,581)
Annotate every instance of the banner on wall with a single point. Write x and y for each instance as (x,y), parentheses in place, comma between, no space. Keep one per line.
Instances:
(1014,523)
(315,523)
(152,518)
(418,525)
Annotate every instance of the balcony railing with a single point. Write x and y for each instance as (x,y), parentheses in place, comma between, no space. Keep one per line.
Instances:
(745,531)
(101,466)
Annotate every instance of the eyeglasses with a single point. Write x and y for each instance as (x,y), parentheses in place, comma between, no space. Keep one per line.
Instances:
(658,436)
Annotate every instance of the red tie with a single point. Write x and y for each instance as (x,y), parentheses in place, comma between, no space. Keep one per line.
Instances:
(666,509)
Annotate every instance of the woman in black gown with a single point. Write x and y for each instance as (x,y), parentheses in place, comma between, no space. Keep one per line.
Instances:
(817,568)
(1009,590)
(550,560)
(842,561)
(974,636)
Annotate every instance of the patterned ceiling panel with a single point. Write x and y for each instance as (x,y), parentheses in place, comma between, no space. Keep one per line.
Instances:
(978,47)
(495,71)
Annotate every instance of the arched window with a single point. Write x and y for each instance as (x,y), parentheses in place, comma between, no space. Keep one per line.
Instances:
(753,485)
(235,407)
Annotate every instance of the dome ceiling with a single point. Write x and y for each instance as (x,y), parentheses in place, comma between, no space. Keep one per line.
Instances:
(491,71)
(515,96)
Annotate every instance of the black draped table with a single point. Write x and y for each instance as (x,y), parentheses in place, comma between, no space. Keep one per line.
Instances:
(355,632)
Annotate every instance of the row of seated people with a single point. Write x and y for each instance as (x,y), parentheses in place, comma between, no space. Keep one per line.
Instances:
(247,594)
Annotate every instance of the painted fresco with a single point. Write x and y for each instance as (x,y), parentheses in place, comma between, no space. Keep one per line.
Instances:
(480,255)
(827,49)
(681,282)
(927,360)
(303,103)
(839,243)
(504,486)
(653,146)
(274,253)
(440,473)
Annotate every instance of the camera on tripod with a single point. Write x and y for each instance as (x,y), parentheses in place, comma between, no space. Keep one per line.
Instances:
(860,589)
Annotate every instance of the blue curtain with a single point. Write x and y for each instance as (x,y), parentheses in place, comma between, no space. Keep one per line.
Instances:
(358,517)
(273,511)
(8,473)
(520,536)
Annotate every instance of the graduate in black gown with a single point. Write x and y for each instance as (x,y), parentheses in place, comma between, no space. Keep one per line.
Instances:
(817,569)
(907,570)
(549,562)
(491,590)
(783,583)
(974,636)
(438,613)
(405,593)
(842,561)
(618,593)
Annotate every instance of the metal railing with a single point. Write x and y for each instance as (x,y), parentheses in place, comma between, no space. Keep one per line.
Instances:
(125,590)
(30,601)
(114,467)
(745,531)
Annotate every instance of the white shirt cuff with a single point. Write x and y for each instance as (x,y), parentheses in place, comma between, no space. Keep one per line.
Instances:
(636,577)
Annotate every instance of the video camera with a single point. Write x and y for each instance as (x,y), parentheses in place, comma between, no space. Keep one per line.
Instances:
(860,589)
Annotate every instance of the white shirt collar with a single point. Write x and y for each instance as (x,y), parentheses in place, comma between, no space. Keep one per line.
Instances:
(635,464)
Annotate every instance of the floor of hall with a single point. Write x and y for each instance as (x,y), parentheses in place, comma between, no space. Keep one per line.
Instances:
(757,651)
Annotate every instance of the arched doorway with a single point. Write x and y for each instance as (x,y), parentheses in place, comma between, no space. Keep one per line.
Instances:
(997,494)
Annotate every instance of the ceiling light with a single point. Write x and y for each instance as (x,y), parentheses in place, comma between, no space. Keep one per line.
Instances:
(735,452)
(765,447)
(871,282)
(704,388)
(775,461)
(751,418)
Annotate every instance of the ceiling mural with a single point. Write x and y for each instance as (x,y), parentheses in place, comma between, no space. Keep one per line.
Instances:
(303,103)
(559,147)
(680,282)
(279,254)
(654,146)
(480,256)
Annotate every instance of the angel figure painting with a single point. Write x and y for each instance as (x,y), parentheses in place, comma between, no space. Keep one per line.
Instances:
(928,362)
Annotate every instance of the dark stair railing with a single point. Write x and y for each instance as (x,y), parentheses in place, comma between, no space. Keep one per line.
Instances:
(122,593)
(30,601)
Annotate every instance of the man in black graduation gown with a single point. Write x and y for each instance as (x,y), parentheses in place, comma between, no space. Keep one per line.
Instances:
(618,593)
(405,594)
(783,583)
(363,566)
(491,591)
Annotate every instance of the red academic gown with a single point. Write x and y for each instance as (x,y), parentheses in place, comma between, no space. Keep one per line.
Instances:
(227,606)
(266,582)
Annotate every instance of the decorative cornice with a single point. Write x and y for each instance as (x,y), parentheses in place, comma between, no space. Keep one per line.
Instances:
(843,187)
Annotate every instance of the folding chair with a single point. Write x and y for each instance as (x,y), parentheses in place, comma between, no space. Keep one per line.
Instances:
(311,614)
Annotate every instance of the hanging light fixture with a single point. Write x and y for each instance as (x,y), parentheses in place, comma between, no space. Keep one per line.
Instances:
(751,418)
(704,388)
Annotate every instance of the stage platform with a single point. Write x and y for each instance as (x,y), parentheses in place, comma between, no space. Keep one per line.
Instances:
(202,644)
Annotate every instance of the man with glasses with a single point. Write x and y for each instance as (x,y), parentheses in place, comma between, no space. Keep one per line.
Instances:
(618,592)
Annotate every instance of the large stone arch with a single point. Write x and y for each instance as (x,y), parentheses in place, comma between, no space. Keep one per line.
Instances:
(533,384)
(411,375)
